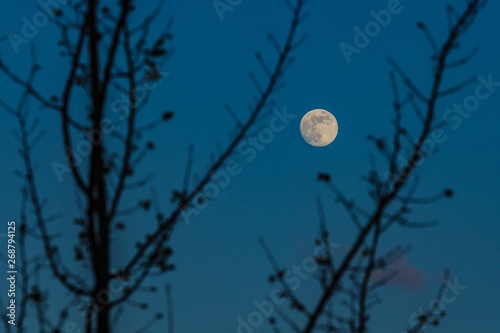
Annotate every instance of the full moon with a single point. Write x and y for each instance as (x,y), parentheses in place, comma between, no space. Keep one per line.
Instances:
(319,127)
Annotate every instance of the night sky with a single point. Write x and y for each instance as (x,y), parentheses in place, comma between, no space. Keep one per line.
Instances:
(220,267)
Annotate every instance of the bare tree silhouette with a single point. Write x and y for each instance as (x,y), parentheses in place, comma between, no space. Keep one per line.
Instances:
(349,284)
(108,54)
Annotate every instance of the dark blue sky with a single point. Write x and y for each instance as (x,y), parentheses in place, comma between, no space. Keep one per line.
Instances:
(221,270)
